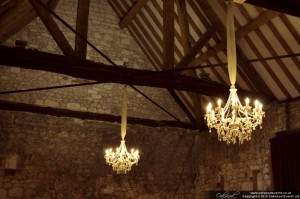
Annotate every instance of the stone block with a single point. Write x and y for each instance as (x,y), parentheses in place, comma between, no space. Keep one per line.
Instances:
(15,192)
(3,193)
(108,86)
(265,170)
(107,190)
(92,91)
(108,37)
(39,102)
(7,185)
(73,106)
(50,103)
(95,96)
(15,70)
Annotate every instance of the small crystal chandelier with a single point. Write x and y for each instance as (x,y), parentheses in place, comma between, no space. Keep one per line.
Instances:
(121,160)
(234,121)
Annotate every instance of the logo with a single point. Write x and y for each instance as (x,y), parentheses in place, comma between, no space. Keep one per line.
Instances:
(227,195)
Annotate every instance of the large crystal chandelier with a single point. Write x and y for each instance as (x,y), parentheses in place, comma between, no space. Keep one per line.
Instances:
(121,160)
(233,121)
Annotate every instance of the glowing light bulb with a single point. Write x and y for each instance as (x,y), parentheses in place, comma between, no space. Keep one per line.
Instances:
(209,107)
(219,102)
(247,101)
(256,103)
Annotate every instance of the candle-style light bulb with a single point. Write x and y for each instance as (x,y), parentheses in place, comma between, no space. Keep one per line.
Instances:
(256,103)
(247,101)
(219,103)
(208,108)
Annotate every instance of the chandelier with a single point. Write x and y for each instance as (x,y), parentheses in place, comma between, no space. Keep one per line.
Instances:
(121,160)
(233,121)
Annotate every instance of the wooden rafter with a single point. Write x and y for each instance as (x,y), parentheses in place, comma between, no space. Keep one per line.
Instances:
(18,17)
(137,36)
(82,27)
(284,44)
(134,10)
(32,59)
(263,88)
(278,61)
(14,106)
(242,32)
(291,28)
(184,26)
(5,5)
(144,35)
(168,34)
(197,47)
(273,53)
(250,75)
(53,29)
(159,25)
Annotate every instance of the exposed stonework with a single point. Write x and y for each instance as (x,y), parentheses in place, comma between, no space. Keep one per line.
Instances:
(64,158)
(105,34)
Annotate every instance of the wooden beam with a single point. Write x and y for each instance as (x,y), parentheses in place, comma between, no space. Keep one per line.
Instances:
(139,4)
(256,23)
(242,32)
(159,25)
(18,17)
(284,44)
(4,6)
(272,51)
(290,7)
(32,59)
(197,47)
(82,27)
(155,53)
(291,28)
(184,25)
(58,112)
(53,29)
(168,34)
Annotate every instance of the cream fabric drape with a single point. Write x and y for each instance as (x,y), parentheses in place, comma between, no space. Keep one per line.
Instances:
(231,46)
(124,113)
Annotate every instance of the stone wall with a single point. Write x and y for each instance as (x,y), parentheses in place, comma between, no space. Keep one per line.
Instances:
(62,158)
(105,34)
(247,166)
